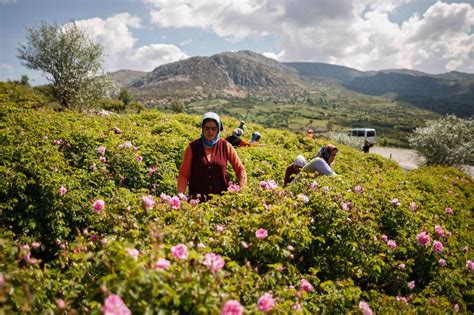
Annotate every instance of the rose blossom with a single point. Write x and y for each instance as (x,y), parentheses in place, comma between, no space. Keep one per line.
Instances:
(448,210)
(296,307)
(162,264)
(345,206)
(358,189)
(392,244)
(175,202)
(61,191)
(465,249)
(365,308)
(411,285)
(442,262)
(266,302)
(99,205)
(133,253)
(401,266)
(470,266)
(261,233)
(423,238)
(101,150)
(219,228)
(232,307)
(148,202)
(384,238)
(61,304)
(413,206)
(179,251)
(165,198)
(395,201)
(234,188)
(303,198)
(313,185)
(439,230)
(438,247)
(306,286)
(213,262)
(139,159)
(114,305)
(102,159)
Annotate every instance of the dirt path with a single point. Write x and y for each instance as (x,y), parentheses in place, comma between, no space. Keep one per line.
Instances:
(408,159)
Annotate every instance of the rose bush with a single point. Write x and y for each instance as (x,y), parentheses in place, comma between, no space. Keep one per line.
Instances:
(78,234)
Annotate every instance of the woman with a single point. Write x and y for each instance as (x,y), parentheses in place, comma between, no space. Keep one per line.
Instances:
(205,159)
(294,169)
(236,139)
(321,165)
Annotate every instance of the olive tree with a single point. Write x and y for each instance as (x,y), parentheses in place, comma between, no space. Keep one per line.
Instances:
(446,141)
(70,60)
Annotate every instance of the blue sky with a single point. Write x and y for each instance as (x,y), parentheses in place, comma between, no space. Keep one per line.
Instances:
(426,35)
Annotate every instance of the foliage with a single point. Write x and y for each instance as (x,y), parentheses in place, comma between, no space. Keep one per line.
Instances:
(341,137)
(125,96)
(60,254)
(70,60)
(446,141)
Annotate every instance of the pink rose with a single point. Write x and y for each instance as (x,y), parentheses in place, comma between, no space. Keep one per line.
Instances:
(175,202)
(296,307)
(411,285)
(261,233)
(413,206)
(306,286)
(358,189)
(102,159)
(465,249)
(139,159)
(438,247)
(114,305)
(313,186)
(162,264)
(194,202)
(401,299)
(365,308)
(213,262)
(470,266)
(439,230)
(303,198)
(61,191)
(345,206)
(219,228)
(266,302)
(179,251)
(133,253)
(423,238)
(232,307)
(99,205)
(61,304)
(401,266)
(165,198)
(101,150)
(456,307)
(234,188)
(152,170)
(148,202)
(395,202)
(448,210)
(384,238)
(391,244)
(442,262)
(326,189)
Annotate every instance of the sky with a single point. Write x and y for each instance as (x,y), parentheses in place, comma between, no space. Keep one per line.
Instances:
(425,35)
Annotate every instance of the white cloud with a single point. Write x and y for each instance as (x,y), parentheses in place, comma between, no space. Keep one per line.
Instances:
(186,42)
(116,37)
(7,1)
(355,33)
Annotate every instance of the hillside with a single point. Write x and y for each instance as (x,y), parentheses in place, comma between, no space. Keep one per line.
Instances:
(326,245)
(245,73)
(234,74)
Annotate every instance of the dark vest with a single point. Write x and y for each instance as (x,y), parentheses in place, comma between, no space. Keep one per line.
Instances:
(235,141)
(208,177)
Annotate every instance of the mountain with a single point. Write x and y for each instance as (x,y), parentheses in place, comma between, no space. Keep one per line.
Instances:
(448,93)
(236,74)
(246,73)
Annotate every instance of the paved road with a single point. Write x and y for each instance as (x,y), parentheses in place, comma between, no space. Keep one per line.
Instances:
(409,159)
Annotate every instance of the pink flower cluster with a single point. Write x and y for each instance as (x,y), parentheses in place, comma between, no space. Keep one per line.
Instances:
(101,150)
(266,302)
(180,251)
(423,238)
(62,191)
(390,243)
(411,285)
(346,206)
(234,188)
(148,202)
(261,233)
(232,307)
(306,286)
(213,262)
(365,308)
(268,185)
(175,201)
(439,230)
(114,305)
(358,189)
(99,205)
(448,210)
(470,266)
(162,264)
(303,198)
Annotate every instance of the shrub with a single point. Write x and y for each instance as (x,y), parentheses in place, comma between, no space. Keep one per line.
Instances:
(446,141)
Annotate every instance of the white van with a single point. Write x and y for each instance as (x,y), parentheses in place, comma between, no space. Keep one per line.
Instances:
(369,134)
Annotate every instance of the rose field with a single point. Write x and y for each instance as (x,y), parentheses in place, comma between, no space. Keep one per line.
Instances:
(91,223)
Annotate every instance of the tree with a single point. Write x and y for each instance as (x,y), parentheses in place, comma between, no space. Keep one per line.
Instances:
(70,60)
(446,141)
(125,96)
(177,106)
(25,80)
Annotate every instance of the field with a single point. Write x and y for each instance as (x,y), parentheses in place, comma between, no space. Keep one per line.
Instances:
(90,219)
